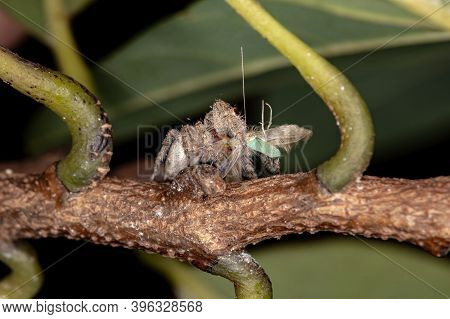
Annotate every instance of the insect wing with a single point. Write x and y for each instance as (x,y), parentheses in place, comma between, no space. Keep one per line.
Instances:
(261,146)
(285,135)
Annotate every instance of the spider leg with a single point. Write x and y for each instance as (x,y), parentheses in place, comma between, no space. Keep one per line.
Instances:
(271,165)
(248,166)
(176,159)
(232,171)
(172,139)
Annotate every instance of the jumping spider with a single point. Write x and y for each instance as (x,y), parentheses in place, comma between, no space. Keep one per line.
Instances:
(223,141)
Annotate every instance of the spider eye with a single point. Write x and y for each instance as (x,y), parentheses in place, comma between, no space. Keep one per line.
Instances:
(230,134)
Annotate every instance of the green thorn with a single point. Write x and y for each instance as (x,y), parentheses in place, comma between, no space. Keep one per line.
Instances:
(249,279)
(338,93)
(76,106)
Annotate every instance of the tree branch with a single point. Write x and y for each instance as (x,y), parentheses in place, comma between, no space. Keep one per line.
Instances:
(198,217)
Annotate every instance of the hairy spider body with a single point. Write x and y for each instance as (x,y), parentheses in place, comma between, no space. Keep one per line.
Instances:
(220,140)
(223,141)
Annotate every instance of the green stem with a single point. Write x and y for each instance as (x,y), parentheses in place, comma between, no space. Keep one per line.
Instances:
(63,44)
(88,160)
(249,279)
(26,278)
(344,101)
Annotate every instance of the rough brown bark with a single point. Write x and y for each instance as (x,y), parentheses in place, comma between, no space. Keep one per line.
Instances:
(198,217)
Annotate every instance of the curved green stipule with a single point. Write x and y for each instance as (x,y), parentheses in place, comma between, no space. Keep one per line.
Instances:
(344,101)
(88,160)
(26,276)
(249,278)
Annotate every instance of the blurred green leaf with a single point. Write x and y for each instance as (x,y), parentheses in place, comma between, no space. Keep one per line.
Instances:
(330,267)
(409,101)
(438,11)
(186,62)
(199,48)
(380,11)
(32,15)
(185,282)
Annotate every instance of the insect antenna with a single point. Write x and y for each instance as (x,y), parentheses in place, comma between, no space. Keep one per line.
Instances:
(243,83)
(263,109)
